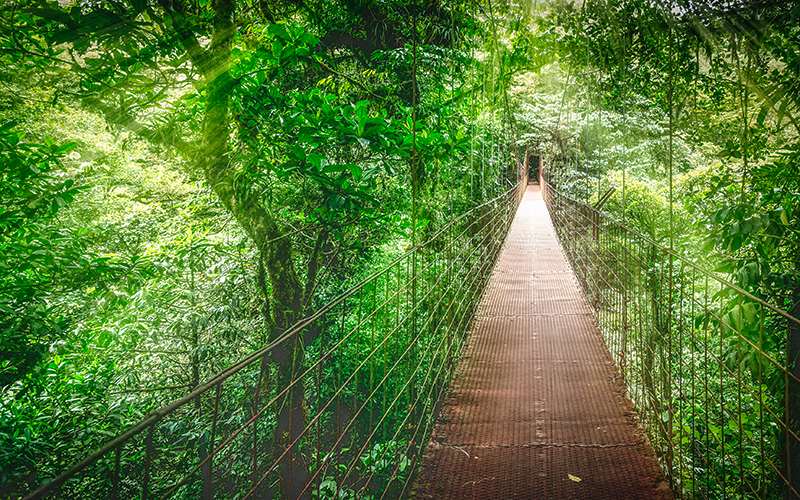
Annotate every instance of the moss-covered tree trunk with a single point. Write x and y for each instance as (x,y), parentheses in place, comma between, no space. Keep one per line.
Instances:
(275,250)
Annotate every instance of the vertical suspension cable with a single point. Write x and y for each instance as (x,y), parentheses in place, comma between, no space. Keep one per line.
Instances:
(489,103)
(415,185)
(668,385)
(671,128)
(589,123)
(414,162)
(473,73)
(512,135)
(451,64)
(483,120)
(588,107)
(625,141)
(494,143)
(558,125)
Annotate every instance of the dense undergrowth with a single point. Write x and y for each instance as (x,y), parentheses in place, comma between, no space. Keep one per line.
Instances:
(163,216)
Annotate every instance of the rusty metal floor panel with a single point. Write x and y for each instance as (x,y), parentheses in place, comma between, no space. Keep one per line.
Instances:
(536,402)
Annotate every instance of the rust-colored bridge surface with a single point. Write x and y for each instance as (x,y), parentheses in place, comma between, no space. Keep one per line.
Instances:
(536,409)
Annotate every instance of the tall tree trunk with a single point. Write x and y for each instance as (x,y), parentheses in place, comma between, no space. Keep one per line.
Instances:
(275,250)
(287,294)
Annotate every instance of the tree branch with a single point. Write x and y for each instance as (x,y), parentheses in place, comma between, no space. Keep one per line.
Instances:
(197,55)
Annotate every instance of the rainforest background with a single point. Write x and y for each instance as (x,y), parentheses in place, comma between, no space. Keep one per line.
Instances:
(183,180)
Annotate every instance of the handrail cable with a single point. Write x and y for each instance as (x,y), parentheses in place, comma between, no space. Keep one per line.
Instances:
(685,261)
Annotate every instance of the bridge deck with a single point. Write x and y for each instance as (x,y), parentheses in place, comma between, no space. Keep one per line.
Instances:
(537,409)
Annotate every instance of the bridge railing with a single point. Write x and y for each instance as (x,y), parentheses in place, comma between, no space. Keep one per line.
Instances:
(705,362)
(377,360)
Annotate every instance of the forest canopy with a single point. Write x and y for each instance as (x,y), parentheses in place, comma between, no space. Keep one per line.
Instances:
(183,181)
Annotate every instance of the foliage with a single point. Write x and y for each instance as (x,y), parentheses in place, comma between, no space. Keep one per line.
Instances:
(232,166)
(218,181)
(35,258)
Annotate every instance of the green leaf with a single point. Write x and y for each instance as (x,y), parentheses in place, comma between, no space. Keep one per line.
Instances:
(279,31)
(298,152)
(362,113)
(318,161)
(337,202)
(7,126)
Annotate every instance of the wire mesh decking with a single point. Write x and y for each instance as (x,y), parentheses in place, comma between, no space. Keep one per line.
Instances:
(704,361)
(361,423)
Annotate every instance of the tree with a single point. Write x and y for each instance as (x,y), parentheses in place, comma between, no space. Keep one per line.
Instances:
(226,90)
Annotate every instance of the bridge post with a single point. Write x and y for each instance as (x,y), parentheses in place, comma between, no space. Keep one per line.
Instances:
(792,395)
(525,164)
(623,354)
(205,473)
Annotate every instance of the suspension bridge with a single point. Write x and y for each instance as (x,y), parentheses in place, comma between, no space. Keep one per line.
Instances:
(537,409)
(531,348)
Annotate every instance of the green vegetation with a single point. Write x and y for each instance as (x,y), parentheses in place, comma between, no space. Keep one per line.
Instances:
(182,181)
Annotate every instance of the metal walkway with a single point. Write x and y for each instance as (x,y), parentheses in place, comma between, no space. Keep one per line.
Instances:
(537,409)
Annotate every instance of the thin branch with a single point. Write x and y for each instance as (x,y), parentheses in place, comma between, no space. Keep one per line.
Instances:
(351,80)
